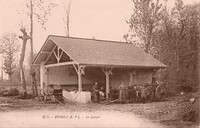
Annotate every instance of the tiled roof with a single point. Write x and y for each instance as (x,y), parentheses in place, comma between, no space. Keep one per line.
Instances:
(102,52)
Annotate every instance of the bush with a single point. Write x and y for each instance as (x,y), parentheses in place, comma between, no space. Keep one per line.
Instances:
(11,92)
(2,90)
(190,113)
(187,88)
(189,110)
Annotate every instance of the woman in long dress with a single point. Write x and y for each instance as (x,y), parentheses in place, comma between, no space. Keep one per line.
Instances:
(122,91)
(96,95)
(130,92)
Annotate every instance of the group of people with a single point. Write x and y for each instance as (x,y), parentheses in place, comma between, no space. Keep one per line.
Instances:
(97,93)
(132,91)
(126,93)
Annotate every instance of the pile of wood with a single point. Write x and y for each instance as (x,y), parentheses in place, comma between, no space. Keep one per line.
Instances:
(110,101)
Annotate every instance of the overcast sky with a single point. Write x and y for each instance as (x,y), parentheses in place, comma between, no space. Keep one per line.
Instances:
(102,19)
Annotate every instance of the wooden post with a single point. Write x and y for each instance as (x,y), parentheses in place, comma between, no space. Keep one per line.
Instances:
(80,73)
(131,77)
(79,82)
(2,61)
(134,77)
(42,74)
(107,83)
(107,72)
(47,76)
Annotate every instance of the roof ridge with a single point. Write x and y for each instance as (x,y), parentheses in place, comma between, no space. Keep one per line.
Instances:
(111,41)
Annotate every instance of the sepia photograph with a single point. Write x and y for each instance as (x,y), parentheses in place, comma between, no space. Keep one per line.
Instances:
(99,63)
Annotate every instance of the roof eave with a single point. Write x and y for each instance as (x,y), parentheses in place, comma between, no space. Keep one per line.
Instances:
(120,66)
(33,63)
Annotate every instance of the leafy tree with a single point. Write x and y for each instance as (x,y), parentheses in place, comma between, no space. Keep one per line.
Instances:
(172,36)
(179,44)
(187,43)
(10,44)
(166,47)
(144,24)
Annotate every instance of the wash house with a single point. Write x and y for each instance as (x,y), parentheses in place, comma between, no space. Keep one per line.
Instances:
(74,64)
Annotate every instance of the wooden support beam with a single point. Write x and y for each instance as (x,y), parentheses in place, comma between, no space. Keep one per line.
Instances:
(58,52)
(107,84)
(80,73)
(56,56)
(82,70)
(75,68)
(103,70)
(45,70)
(107,71)
(42,73)
(50,54)
(47,76)
(59,64)
(60,55)
(80,82)
(132,76)
(44,52)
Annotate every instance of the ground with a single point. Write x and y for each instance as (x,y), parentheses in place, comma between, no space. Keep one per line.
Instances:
(154,114)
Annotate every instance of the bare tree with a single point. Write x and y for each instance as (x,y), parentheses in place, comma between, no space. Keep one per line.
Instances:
(66,17)
(40,10)
(24,38)
(10,45)
(32,71)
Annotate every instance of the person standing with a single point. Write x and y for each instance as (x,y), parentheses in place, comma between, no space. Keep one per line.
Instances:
(130,92)
(95,92)
(122,91)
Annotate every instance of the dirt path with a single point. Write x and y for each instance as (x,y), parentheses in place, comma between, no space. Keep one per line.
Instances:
(31,112)
(73,119)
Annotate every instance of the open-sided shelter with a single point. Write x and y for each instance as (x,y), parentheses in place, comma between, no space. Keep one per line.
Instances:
(76,63)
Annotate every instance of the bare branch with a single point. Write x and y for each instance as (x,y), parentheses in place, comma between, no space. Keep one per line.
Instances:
(20,37)
(23,30)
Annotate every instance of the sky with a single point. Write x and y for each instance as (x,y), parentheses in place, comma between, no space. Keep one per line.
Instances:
(101,19)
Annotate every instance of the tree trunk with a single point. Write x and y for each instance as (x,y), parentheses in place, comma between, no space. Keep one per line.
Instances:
(66,21)
(23,82)
(32,72)
(10,79)
(24,38)
(68,12)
